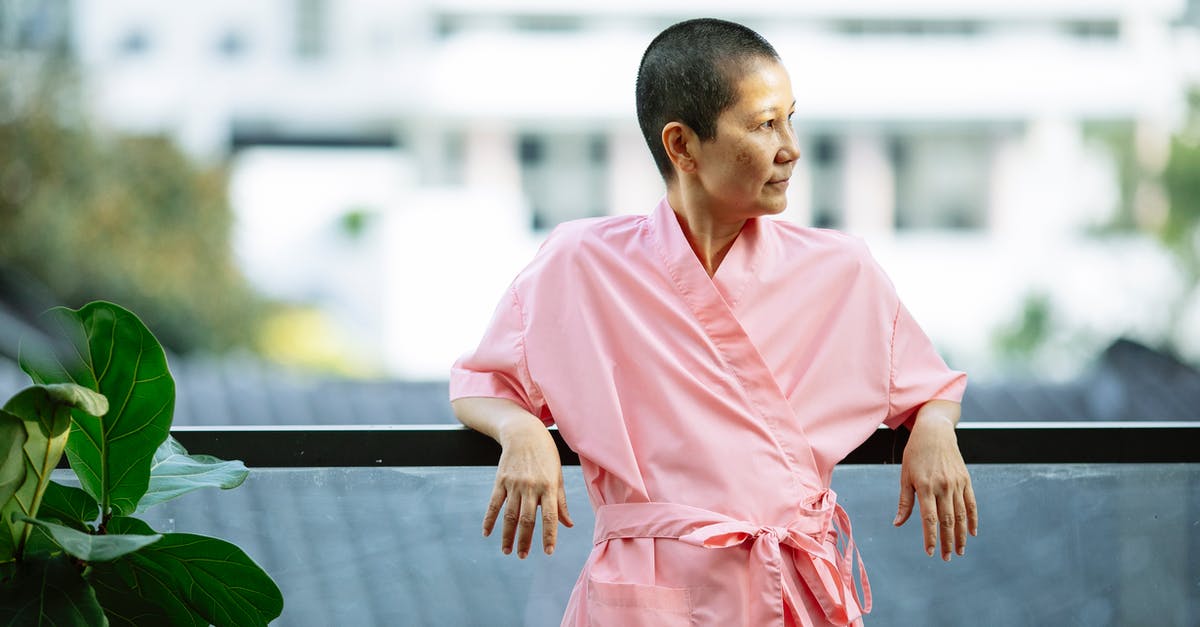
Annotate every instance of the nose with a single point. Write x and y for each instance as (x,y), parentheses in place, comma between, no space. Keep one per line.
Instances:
(789,148)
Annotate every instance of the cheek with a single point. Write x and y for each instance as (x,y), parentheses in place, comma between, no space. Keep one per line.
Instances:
(743,157)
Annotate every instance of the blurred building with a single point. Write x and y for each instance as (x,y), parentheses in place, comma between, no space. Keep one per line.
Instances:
(396,162)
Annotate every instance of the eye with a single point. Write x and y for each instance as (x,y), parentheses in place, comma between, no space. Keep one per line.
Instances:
(767,124)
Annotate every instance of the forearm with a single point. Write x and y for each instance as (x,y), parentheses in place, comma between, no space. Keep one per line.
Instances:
(939,413)
(497,418)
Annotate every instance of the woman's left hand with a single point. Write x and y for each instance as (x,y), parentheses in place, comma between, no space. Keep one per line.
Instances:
(933,471)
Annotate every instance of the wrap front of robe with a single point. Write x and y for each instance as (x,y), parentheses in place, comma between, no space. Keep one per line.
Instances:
(708,413)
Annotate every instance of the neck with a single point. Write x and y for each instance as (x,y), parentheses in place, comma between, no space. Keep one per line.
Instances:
(709,237)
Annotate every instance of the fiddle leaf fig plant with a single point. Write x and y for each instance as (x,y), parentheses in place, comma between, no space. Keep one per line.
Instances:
(104,396)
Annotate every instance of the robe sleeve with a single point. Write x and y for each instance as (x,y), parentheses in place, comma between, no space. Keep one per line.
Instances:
(497,368)
(918,374)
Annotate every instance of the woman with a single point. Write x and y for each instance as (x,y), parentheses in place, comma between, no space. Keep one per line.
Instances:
(710,366)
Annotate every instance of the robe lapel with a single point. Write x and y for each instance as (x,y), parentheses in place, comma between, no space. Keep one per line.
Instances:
(712,301)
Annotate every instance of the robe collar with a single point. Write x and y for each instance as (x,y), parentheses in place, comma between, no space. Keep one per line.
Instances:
(714,302)
(737,270)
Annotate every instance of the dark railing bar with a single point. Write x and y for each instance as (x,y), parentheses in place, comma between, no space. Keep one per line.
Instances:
(454,445)
(1075,424)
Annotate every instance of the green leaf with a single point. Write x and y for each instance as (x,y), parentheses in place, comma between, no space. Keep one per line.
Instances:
(175,473)
(214,578)
(134,595)
(45,413)
(106,348)
(49,592)
(40,544)
(8,546)
(90,548)
(125,603)
(12,475)
(43,404)
(12,456)
(126,524)
(69,505)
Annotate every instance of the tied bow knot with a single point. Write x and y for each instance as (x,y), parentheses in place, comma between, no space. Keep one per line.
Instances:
(726,534)
(779,534)
(827,575)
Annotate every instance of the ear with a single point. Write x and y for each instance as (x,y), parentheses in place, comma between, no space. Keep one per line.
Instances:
(679,142)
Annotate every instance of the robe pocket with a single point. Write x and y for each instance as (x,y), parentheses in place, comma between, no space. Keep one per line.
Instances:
(613,604)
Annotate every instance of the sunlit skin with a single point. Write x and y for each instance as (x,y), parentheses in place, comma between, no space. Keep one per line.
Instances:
(740,174)
(719,184)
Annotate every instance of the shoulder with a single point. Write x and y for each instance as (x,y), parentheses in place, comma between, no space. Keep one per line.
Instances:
(843,257)
(570,234)
(575,243)
(808,242)
(591,236)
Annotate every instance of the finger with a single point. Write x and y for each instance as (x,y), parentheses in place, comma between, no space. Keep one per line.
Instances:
(527,521)
(493,509)
(563,514)
(929,519)
(512,515)
(960,522)
(549,524)
(904,510)
(972,510)
(945,505)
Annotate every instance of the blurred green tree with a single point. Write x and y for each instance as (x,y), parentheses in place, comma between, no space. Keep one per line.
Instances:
(1181,183)
(1176,223)
(1172,218)
(92,215)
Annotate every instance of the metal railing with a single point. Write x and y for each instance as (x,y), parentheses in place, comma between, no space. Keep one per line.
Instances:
(454,445)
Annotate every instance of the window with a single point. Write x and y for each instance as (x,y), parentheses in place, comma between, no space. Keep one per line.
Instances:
(599,150)
(941,179)
(36,26)
(134,43)
(825,167)
(530,150)
(311,18)
(563,175)
(231,44)
(909,28)
(547,23)
(1093,30)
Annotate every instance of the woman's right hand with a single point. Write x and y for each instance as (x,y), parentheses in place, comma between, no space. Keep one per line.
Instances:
(529,477)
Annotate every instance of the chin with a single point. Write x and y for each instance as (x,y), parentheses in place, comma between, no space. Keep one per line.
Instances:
(772,208)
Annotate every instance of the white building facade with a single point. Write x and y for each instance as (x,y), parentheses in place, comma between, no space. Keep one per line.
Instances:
(953,136)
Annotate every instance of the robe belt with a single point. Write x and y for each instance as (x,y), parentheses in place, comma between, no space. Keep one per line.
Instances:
(819,520)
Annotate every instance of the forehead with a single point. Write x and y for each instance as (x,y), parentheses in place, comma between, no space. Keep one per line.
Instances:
(761,84)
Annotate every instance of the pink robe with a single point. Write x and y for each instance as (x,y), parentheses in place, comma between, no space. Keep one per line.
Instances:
(708,414)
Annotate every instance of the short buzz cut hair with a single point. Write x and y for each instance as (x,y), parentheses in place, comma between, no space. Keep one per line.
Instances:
(689,74)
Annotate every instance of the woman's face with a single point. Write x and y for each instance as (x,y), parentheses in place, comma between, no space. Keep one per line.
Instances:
(744,171)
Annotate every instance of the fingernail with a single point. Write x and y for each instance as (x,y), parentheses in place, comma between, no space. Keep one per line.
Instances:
(507,550)
(961,550)
(946,556)
(929,551)
(550,550)
(522,554)
(896,521)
